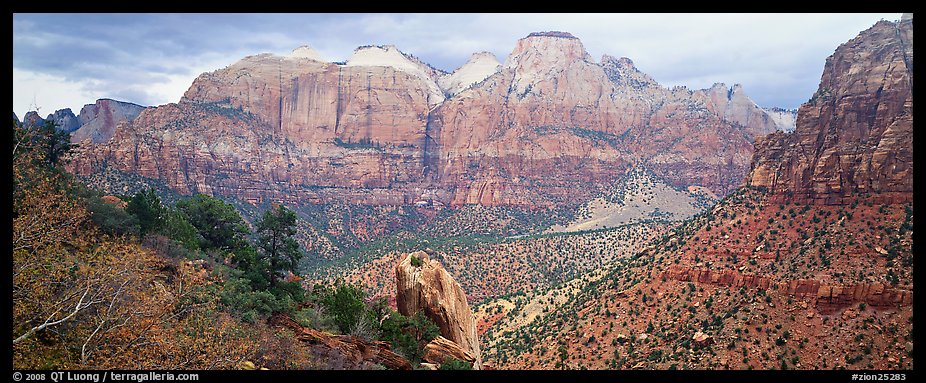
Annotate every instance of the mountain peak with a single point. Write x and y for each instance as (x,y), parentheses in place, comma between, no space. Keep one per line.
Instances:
(480,66)
(543,54)
(390,56)
(538,48)
(484,55)
(305,52)
(623,62)
(564,35)
(622,72)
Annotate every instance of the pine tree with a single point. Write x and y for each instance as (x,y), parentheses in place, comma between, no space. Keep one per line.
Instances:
(146,206)
(279,249)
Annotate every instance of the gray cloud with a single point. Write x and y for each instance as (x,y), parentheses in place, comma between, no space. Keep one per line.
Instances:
(151,58)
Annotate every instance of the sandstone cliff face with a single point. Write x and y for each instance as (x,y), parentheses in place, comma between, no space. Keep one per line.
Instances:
(827,298)
(855,136)
(425,286)
(313,103)
(98,121)
(66,120)
(439,350)
(379,129)
(552,107)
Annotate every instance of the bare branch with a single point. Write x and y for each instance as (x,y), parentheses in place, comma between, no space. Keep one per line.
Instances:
(77,308)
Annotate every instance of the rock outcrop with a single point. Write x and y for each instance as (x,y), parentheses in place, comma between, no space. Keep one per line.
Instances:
(441,349)
(344,352)
(855,135)
(98,121)
(65,120)
(423,285)
(701,339)
(32,119)
(548,126)
(826,297)
(786,119)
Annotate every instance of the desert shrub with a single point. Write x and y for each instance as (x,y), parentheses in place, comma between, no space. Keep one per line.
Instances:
(250,304)
(111,218)
(408,335)
(455,364)
(344,303)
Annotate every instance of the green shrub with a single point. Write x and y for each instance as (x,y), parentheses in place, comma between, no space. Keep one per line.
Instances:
(178,228)
(408,335)
(455,364)
(316,318)
(344,303)
(415,261)
(110,218)
(238,295)
(219,224)
(146,207)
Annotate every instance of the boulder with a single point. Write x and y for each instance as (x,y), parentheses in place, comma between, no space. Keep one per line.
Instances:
(439,350)
(423,285)
(701,339)
(353,351)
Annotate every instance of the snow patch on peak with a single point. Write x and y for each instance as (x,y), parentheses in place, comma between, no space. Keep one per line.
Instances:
(390,56)
(479,67)
(305,52)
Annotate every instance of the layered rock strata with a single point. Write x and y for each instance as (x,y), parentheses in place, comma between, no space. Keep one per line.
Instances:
(855,135)
(550,125)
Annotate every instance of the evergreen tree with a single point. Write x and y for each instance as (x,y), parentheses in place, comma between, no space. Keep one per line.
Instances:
(146,207)
(218,222)
(275,239)
(53,142)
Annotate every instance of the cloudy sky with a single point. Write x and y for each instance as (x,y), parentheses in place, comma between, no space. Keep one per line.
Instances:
(68,60)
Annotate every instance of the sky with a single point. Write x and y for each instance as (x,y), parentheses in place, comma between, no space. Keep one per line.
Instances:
(68,60)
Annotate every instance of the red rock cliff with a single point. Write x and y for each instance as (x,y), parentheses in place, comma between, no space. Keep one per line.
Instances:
(855,135)
(550,125)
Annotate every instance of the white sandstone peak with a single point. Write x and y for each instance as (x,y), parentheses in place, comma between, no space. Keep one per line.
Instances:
(479,67)
(785,119)
(553,47)
(390,56)
(387,55)
(305,52)
(541,55)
